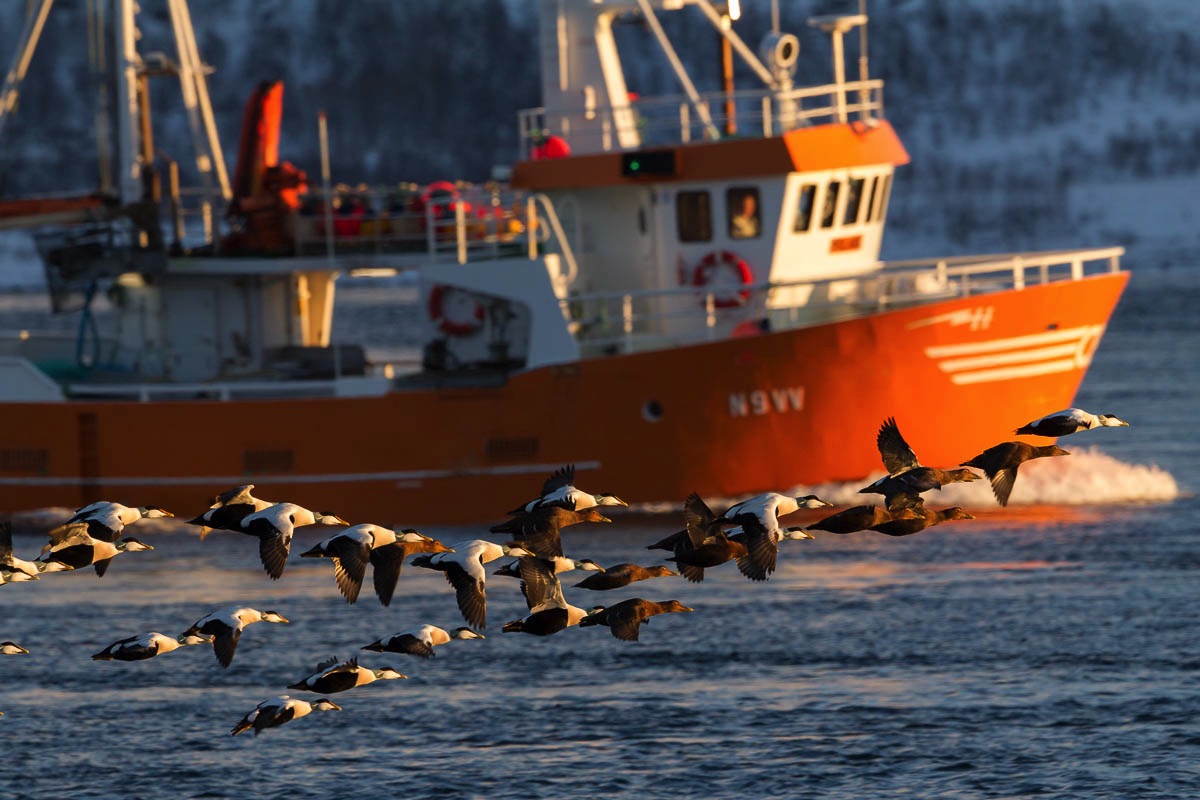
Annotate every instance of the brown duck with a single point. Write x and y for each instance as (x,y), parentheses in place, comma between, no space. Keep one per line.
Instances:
(706,544)
(919,522)
(1002,461)
(538,531)
(625,618)
(620,575)
(860,518)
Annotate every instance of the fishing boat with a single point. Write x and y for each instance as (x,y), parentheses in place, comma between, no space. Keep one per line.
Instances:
(673,293)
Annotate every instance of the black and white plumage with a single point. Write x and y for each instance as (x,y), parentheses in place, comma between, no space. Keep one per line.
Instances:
(1001,462)
(1068,421)
(104,520)
(539,531)
(907,478)
(274,527)
(81,550)
(759,519)
(549,611)
(420,641)
(10,576)
(278,710)
(558,564)
(8,560)
(146,645)
(625,619)
(355,547)
(226,626)
(228,509)
(339,676)
(12,649)
(464,571)
(560,490)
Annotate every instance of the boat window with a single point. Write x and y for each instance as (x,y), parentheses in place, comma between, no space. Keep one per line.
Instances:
(882,198)
(741,208)
(831,201)
(871,199)
(804,209)
(854,189)
(693,217)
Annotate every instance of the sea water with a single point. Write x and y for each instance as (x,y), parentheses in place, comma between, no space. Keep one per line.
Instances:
(1049,649)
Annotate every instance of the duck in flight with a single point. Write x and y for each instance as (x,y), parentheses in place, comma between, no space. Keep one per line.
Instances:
(539,531)
(758,518)
(278,710)
(915,523)
(1068,421)
(81,550)
(704,544)
(147,645)
(621,575)
(860,518)
(420,641)
(104,521)
(228,509)
(1001,462)
(333,676)
(226,626)
(8,560)
(353,548)
(463,568)
(549,611)
(274,527)
(625,619)
(907,479)
(559,490)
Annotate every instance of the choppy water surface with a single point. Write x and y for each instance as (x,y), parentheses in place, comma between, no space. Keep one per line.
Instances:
(1045,650)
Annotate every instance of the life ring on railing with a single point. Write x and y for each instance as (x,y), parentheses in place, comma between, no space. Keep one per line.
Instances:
(443,206)
(455,312)
(721,269)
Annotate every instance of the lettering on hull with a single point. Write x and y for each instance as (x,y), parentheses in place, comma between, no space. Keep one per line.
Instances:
(766,401)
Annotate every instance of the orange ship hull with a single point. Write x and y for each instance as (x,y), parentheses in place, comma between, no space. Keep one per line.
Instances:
(725,418)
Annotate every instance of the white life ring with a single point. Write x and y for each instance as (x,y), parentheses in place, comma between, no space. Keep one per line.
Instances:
(455,311)
(722,269)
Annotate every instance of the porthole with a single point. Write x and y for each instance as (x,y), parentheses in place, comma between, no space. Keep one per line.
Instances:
(652,411)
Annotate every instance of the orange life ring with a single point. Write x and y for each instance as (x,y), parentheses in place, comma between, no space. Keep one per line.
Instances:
(724,263)
(453,316)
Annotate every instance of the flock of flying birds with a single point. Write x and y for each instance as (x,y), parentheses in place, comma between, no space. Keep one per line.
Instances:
(748,533)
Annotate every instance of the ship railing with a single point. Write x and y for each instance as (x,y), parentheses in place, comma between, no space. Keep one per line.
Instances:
(674,119)
(612,322)
(441,221)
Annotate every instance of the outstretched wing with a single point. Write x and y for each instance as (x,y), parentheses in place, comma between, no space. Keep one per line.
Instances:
(761,549)
(539,584)
(897,455)
(564,476)
(273,550)
(388,561)
(350,559)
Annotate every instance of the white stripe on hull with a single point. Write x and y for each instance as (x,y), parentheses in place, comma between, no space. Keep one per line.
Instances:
(1017,356)
(336,477)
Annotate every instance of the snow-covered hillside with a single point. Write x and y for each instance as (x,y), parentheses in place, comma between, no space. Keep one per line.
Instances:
(1031,124)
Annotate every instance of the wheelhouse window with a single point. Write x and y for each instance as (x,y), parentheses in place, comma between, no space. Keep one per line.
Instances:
(882,198)
(871,195)
(854,192)
(831,201)
(804,208)
(741,209)
(693,216)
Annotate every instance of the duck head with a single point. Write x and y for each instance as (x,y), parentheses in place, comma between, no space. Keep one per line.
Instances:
(153,512)
(1111,421)
(272,616)
(132,545)
(796,534)
(605,499)
(592,515)
(325,704)
(327,518)
(962,475)
(1052,450)
(954,512)
(811,501)
(673,605)
(388,674)
(586,564)
(465,633)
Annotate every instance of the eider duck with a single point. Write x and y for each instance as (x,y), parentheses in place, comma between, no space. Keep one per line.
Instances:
(625,618)
(1001,463)
(705,544)
(907,478)
(333,676)
(228,509)
(81,550)
(549,611)
(860,518)
(274,527)
(420,641)
(104,521)
(463,568)
(906,526)
(1068,421)
(759,520)
(12,649)
(559,490)
(353,548)
(558,565)
(538,531)
(278,710)
(9,576)
(9,561)
(147,645)
(225,627)
(620,575)
(762,545)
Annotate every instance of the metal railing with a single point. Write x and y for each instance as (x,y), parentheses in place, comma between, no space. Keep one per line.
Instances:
(616,322)
(672,119)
